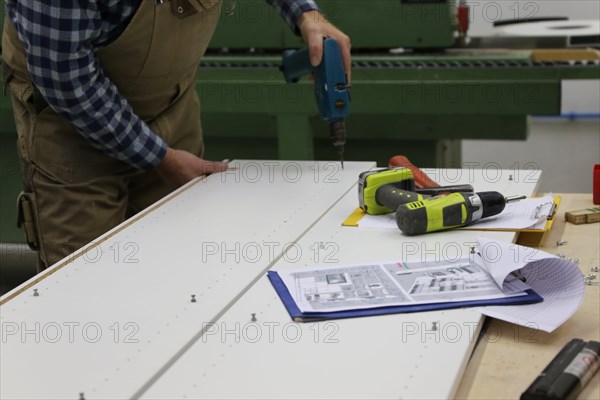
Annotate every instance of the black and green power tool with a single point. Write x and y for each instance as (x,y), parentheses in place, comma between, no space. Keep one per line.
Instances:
(390,190)
(450,211)
(383,190)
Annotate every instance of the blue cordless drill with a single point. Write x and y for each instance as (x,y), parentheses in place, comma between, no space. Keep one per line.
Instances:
(331,87)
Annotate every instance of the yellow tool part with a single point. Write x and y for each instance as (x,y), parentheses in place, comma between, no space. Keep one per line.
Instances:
(370,181)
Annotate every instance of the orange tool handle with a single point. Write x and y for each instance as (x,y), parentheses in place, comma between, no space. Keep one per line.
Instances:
(421,178)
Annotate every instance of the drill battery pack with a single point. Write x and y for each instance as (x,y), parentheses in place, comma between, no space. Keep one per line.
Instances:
(370,181)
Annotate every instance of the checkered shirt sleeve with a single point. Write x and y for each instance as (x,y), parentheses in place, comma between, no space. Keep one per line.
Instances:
(60,39)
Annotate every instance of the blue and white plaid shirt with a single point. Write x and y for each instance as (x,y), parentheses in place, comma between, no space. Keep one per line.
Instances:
(61,38)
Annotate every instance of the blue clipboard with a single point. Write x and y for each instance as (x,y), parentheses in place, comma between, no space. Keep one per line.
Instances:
(299,316)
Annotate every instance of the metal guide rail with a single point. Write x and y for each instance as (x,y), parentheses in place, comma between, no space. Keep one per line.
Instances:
(257,63)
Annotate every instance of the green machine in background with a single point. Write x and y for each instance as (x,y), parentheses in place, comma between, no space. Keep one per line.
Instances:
(273,120)
(419,99)
(376,24)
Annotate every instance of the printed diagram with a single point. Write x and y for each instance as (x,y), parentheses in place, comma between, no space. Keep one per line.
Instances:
(367,285)
(548,289)
(394,283)
(429,281)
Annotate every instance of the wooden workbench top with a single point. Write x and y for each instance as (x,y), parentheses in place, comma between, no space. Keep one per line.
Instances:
(508,358)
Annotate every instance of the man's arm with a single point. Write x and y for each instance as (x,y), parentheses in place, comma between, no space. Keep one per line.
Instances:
(304,17)
(58,38)
(63,66)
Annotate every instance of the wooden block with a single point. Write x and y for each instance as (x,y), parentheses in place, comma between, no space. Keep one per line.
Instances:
(587,216)
(565,55)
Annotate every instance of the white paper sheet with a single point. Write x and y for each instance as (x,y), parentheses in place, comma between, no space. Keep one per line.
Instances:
(557,280)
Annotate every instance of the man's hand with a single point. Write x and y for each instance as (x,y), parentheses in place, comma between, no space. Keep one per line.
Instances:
(179,167)
(314,27)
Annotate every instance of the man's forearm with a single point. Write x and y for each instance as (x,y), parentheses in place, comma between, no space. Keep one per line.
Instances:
(291,10)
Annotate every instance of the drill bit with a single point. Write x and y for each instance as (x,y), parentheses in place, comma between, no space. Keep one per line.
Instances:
(511,199)
(337,133)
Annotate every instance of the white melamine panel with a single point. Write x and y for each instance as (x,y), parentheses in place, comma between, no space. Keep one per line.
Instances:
(108,321)
(392,356)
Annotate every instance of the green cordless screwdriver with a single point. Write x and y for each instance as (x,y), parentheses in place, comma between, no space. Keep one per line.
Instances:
(388,190)
(383,190)
(449,211)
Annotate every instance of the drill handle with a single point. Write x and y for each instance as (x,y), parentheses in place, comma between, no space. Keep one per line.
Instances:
(434,214)
(295,64)
(390,196)
(331,84)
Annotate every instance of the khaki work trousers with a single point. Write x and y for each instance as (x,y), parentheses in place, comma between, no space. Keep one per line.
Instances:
(73,193)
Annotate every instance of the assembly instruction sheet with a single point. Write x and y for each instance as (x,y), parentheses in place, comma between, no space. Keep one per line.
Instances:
(391,284)
(508,270)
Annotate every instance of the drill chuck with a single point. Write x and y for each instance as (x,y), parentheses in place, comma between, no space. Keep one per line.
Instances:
(493,203)
(337,133)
